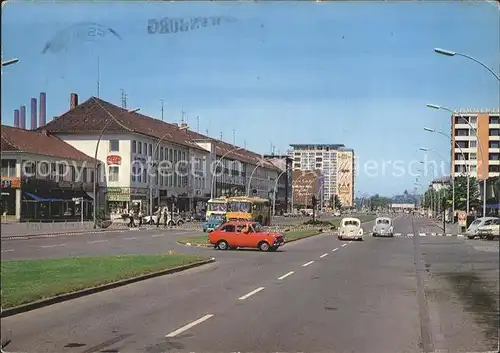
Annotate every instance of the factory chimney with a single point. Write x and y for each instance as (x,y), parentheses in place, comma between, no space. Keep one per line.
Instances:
(33,114)
(16,118)
(22,119)
(43,109)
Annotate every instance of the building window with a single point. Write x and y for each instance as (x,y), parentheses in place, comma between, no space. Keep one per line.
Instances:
(494,156)
(134,169)
(150,150)
(494,168)
(473,144)
(494,119)
(461,132)
(472,120)
(8,168)
(472,156)
(494,132)
(144,175)
(113,174)
(494,144)
(161,153)
(84,174)
(114,145)
(139,147)
(463,144)
(134,146)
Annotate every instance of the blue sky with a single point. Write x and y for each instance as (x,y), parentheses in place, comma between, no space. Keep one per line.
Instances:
(355,73)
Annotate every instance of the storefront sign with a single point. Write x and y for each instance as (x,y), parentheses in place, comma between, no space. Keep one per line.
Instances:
(478,110)
(118,194)
(11,182)
(114,159)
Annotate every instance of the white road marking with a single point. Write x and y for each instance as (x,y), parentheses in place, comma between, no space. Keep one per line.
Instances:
(158,235)
(51,246)
(307,263)
(433,234)
(409,235)
(286,275)
(130,238)
(325,254)
(343,245)
(188,326)
(423,234)
(335,249)
(251,293)
(398,234)
(7,250)
(350,241)
(97,241)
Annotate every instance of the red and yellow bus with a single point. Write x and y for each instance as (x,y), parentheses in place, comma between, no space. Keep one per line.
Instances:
(249,208)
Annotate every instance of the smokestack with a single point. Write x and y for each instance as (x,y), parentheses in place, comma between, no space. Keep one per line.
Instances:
(43,109)
(22,119)
(33,113)
(16,118)
(73,101)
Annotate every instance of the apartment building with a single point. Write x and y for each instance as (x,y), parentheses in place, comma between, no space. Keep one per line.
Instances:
(466,148)
(336,163)
(143,160)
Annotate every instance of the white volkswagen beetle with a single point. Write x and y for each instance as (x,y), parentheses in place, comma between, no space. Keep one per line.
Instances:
(383,227)
(350,228)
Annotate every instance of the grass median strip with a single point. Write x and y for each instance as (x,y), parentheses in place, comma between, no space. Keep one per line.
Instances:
(26,281)
(289,237)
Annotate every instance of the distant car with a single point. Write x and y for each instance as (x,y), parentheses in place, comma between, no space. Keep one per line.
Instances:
(199,217)
(472,231)
(336,214)
(383,227)
(350,228)
(213,222)
(490,230)
(245,234)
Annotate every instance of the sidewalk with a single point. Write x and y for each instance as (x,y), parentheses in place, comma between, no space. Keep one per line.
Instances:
(38,228)
(450,228)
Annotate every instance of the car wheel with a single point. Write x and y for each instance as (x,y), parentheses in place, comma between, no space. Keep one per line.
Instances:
(374,235)
(170,223)
(339,237)
(204,230)
(180,223)
(264,246)
(471,236)
(223,245)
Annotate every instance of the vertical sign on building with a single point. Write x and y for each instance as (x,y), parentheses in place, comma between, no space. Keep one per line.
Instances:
(345,174)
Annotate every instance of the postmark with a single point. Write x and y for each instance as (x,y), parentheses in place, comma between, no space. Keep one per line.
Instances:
(169,25)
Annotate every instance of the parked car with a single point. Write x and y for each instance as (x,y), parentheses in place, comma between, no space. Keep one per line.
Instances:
(213,222)
(350,228)
(472,231)
(490,230)
(245,234)
(383,227)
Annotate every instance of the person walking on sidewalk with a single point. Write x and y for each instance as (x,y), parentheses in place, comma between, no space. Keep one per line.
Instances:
(158,217)
(131,216)
(140,218)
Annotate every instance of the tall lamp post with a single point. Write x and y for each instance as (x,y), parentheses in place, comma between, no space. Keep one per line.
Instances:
(483,161)
(10,62)
(453,53)
(467,166)
(219,160)
(452,178)
(112,119)
(251,175)
(274,191)
(156,164)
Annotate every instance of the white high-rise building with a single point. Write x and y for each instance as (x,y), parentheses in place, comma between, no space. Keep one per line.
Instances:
(336,163)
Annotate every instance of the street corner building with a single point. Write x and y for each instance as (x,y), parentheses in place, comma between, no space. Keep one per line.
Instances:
(142,162)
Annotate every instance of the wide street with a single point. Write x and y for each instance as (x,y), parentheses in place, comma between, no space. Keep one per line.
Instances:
(383,295)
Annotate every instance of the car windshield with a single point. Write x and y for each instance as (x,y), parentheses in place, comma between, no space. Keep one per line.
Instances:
(240,206)
(383,221)
(215,218)
(351,223)
(258,227)
(216,206)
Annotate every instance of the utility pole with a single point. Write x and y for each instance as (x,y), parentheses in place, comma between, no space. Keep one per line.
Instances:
(198,124)
(161,100)
(98,75)
(245,144)
(221,135)
(124,99)
(234,137)
(182,116)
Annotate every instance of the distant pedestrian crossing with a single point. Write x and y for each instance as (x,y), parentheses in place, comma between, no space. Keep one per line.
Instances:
(411,235)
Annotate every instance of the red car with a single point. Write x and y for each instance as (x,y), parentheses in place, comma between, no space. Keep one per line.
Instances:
(245,234)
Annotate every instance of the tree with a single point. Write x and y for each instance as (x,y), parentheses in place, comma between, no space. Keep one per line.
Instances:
(338,204)
(431,197)
(379,202)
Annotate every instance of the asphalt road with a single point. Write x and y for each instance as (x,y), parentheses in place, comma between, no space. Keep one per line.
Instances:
(399,295)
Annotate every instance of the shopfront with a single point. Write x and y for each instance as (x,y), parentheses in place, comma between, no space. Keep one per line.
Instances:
(10,188)
(118,200)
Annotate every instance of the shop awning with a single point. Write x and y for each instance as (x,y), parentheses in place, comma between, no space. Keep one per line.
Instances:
(41,199)
(57,196)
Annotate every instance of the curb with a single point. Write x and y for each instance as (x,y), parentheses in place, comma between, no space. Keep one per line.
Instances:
(84,292)
(53,235)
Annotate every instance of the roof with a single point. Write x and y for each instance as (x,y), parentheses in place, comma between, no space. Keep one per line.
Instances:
(93,114)
(302,145)
(36,142)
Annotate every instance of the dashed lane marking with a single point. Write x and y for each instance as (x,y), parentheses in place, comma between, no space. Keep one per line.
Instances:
(248,295)
(324,255)
(335,249)
(307,263)
(7,250)
(398,234)
(343,245)
(157,235)
(188,326)
(130,238)
(286,275)
(51,246)
(97,241)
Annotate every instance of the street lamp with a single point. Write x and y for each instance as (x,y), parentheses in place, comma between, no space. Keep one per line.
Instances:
(452,179)
(216,164)
(467,166)
(274,191)
(10,62)
(452,53)
(251,175)
(112,119)
(155,151)
(483,161)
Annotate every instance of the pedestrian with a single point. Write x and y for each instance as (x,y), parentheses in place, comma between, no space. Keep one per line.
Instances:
(140,218)
(158,217)
(165,217)
(131,215)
